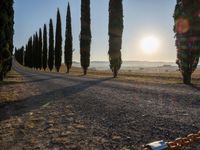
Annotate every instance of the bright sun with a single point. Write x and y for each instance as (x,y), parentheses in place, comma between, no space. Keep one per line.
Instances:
(150,44)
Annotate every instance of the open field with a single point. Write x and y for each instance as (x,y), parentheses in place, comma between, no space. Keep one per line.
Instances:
(150,75)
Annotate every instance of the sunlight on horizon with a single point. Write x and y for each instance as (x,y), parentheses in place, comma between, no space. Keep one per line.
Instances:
(150,44)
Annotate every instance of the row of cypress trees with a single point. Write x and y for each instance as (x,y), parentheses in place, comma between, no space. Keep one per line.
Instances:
(36,57)
(6,36)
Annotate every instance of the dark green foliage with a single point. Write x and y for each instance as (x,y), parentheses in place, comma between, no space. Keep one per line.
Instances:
(85,35)
(58,43)
(19,55)
(68,40)
(40,49)
(51,46)
(6,36)
(115,35)
(187,29)
(30,48)
(36,51)
(28,54)
(44,47)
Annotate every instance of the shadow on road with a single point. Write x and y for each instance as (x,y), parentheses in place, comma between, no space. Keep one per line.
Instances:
(8,110)
(195,87)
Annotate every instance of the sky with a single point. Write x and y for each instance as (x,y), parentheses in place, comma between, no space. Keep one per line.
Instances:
(142,19)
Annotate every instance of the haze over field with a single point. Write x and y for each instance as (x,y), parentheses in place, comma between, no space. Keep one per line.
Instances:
(141,22)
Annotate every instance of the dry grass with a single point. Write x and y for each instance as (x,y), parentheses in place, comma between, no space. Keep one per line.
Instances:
(15,87)
(170,77)
(7,92)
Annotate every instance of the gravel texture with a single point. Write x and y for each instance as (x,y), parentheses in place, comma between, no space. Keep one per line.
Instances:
(82,113)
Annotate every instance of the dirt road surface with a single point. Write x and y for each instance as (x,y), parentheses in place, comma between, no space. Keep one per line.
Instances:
(82,113)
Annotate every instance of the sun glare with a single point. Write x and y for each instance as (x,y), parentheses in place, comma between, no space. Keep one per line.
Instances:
(150,44)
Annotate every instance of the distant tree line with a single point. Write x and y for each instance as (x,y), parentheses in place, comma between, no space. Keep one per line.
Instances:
(6,36)
(19,55)
(187,29)
(37,54)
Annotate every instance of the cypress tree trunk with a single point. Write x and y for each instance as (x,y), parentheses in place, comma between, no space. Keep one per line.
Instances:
(68,41)
(40,49)
(186,17)
(115,35)
(51,46)
(85,35)
(58,43)
(44,47)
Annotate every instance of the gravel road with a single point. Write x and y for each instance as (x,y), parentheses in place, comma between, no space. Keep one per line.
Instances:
(83,113)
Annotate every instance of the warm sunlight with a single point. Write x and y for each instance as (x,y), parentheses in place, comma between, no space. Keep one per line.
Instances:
(150,44)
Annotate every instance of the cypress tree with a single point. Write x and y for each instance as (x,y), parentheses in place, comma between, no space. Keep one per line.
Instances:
(115,35)
(68,40)
(31,52)
(6,36)
(34,51)
(44,47)
(51,46)
(26,56)
(85,35)
(10,29)
(40,49)
(186,17)
(58,43)
(19,55)
(37,53)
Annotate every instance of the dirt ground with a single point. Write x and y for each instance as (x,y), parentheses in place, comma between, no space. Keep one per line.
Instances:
(55,111)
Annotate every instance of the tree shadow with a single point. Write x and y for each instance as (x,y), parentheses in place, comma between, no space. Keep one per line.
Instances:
(23,106)
(28,81)
(195,87)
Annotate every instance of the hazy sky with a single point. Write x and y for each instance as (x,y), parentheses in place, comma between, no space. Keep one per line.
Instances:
(142,18)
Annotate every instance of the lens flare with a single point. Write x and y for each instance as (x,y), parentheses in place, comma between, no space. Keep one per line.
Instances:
(150,44)
(182,25)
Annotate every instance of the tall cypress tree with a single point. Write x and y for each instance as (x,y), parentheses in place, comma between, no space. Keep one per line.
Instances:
(30,48)
(6,36)
(58,43)
(19,55)
(44,47)
(34,51)
(40,49)
(68,40)
(187,29)
(51,46)
(115,35)
(85,35)
(26,56)
(10,29)
(37,52)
